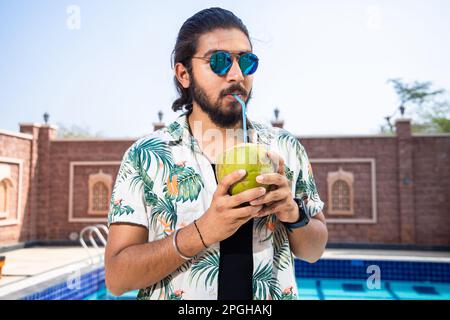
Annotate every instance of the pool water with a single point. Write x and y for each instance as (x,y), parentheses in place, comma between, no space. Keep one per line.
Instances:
(336,289)
(327,279)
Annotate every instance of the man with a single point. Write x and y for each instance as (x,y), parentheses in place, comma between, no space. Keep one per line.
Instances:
(175,233)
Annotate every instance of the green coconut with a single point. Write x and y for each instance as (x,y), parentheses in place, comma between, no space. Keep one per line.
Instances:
(252,158)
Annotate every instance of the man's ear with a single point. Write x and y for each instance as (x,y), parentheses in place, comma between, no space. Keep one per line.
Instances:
(182,75)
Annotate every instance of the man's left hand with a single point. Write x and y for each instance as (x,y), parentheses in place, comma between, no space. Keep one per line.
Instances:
(279,200)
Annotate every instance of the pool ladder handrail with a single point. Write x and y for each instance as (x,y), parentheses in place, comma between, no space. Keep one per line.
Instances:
(94,229)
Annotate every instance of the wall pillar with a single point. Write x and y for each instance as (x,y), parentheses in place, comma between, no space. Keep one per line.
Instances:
(405,181)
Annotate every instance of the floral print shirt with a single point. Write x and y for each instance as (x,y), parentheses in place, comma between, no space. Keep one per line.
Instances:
(165,182)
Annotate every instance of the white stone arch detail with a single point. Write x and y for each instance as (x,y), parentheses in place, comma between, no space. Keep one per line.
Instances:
(94,180)
(345,179)
(6,189)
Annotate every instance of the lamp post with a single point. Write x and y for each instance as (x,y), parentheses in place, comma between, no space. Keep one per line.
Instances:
(46,116)
(277,123)
(160,124)
(402,110)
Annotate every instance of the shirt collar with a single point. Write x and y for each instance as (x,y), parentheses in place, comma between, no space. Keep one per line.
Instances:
(179,132)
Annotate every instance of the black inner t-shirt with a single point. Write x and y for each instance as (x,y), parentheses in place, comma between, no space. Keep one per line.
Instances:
(236,263)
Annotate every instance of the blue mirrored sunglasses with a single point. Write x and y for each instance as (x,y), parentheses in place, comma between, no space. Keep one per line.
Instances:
(221,62)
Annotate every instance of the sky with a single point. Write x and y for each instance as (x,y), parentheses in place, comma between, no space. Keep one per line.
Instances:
(104,65)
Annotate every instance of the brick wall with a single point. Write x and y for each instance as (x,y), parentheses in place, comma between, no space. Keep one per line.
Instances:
(431,192)
(16,148)
(95,154)
(384,151)
(412,184)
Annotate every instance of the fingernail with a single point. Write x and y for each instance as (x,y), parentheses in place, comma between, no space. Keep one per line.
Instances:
(241,172)
(259,178)
(262,190)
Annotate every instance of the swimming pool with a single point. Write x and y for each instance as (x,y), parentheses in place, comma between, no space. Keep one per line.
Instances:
(327,279)
(329,289)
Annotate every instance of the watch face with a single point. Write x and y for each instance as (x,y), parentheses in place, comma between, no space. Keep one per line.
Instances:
(301,206)
(304,208)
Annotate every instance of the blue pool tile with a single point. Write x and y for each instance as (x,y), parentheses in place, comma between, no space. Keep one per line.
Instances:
(425,290)
(405,290)
(357,263)
(353,287)
(390,270)
(89,283)
(333,289)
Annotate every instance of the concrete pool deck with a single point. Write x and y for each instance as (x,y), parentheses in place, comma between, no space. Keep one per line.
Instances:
(26,268)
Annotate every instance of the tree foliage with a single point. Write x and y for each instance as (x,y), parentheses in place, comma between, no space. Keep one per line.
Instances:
(427,107)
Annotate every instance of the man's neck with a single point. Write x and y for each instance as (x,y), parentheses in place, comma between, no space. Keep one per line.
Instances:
(211,138)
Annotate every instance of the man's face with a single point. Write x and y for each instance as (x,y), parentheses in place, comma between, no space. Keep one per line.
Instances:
(212,92)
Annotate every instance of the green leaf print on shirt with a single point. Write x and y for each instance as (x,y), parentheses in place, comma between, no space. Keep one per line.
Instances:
(207,265)
(265,286)
(140,178)
(147,150)
(265,225)
(177,295)
(289,173)
(150,197)
(287,141)
(306,187)
(165,286)
(265,134)
(126,169)
(274,229)
(167,291)
(288,294)
(175,129)
(164,212)
(117,208)
(283,257)
(183,184)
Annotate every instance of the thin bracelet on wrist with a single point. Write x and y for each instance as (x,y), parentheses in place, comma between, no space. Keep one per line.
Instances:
(174,241)
(199,233)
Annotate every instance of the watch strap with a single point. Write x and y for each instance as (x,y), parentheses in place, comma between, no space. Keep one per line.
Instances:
(303,218)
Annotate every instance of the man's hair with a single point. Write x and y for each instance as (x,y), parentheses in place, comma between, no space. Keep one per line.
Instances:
(202,22)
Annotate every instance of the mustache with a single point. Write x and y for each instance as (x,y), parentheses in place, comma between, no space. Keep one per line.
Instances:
(235,89)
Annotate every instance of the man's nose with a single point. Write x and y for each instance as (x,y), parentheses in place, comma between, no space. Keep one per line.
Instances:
(235,73)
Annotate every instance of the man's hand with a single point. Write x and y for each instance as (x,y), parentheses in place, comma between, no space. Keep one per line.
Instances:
(224,216)
(279,200)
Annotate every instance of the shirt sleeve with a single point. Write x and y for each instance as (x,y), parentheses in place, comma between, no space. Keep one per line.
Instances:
(305,186)
(127,203)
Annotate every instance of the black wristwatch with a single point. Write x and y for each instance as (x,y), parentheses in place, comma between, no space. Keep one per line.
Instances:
(303,219)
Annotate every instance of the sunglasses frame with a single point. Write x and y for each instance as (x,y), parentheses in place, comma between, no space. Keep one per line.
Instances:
(228,56)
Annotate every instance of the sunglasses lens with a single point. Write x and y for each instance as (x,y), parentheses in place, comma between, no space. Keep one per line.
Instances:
(221,62)
(248,63)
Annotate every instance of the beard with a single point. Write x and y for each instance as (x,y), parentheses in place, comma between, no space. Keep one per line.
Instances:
(223,116)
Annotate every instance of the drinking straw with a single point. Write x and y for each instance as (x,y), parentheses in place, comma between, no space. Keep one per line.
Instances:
(244,116)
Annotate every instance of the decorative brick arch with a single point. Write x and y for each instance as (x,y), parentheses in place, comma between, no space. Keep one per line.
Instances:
(340,193)
(6,187)
(100,186)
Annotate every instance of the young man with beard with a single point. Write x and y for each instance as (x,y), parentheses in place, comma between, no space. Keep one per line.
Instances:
(175,233)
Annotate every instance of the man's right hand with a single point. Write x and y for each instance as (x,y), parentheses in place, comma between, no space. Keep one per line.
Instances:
(223,218)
